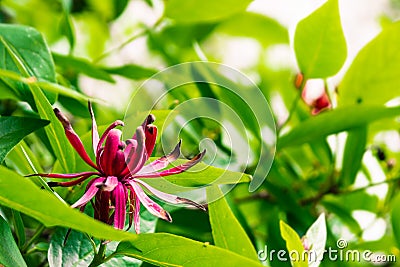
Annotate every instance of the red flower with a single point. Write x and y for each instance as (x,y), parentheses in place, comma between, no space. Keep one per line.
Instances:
(118,167)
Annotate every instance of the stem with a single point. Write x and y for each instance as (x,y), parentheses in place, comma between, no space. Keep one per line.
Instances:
(35,236)
(291,111)
(100,255)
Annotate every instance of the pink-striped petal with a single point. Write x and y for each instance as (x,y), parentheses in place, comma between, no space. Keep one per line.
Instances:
(95,132)
(90,192)
(137,158)
(175,170)
(109,183)
(168,197)
(162,162)
(120,199)
(136,217)
(74,138)
(149,204)
(64,176)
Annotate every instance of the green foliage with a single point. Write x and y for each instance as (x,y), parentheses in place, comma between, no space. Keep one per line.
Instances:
(9,252)
(319,42)
(14,129)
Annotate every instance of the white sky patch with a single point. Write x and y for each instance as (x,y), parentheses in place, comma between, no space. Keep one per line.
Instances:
(373,228)
(390,138)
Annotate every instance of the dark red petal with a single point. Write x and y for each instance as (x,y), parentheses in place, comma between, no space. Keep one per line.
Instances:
(102,206)
(65,176)
(151,137)
(110,150)
(69,183)
(74,138)
(174,170)
(105,134)
(120,199)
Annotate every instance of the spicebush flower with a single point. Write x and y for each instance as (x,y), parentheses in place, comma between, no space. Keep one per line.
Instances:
(118,167)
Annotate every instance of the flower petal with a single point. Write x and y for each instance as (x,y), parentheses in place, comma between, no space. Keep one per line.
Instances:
(109,184)
(74,138)
(120,198)
(95,133)
(70,183)
(105,134)
(102,206)
(150,132)
(149,204)
(110,150)
(90,193)
(136,217)
(174,170)
(136,159)
(162,162)
(168,197)
(65,176)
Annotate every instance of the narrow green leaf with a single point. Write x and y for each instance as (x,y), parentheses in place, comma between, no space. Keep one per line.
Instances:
(10,255)
(14,129)
(203,11)
(19,227)
(294,246)
(373,77)
(247,24)
(54,131)
(131,71)
(319,42)
(316,238)
(30,46)
(66,25)
(342,211)
(334,121)
(170,250)
(80,65)
(353,155)
(226,229)
(21,194)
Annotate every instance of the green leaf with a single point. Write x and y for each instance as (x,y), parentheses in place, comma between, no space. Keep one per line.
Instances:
(343,213)
(334,121)
(395,215)
(247,24)
(80,65)
(199,175)
(30,47)
(294,246)
(66,25)
(373,77)
(14,129)
(10,255)
(203,11)
(55,131)
(353,155)
(21,194)
(226,229)
(169,250)
(76,250)
(319,42)
(316,237)
(131,71)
